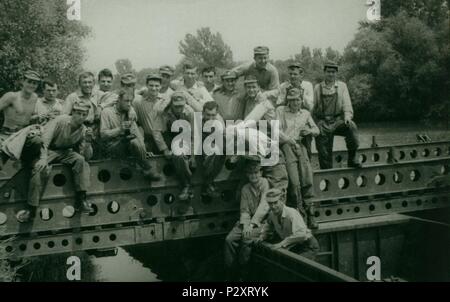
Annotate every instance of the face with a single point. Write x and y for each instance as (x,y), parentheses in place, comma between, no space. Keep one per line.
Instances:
(165,79)
(261,60)
(330,74)
(295,75)
(105,83)
(30,86)
(86,85)
(153,88)
(190,75)
(208,78)
(252,89)
(254,177)
(229,84)
(178,109)
(78,117)
(125,102)
(276,207)
(209,115)
(295,104)
(50,92)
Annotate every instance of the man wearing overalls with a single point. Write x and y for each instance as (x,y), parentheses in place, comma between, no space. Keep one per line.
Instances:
(333,113)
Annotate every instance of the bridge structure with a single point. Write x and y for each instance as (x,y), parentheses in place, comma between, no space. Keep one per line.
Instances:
(129,210)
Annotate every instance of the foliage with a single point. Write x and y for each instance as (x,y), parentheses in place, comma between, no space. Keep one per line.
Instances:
(36,34)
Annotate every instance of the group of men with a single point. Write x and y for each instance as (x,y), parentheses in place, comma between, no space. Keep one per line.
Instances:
(95,122)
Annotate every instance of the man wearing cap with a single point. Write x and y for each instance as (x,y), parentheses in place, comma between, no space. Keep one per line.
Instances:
(228,98)
(18,107)
(333,113)
(120,133)
(64,137)
(47,107)
(265,73)
(147,108)
(166,73)
(196,93)
(208,78)
(258,106)
(253,210)
(286,224)
(127,82)
(177,110)
(295,124)
(296,73)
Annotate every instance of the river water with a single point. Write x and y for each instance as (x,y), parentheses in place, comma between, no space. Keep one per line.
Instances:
(201,259)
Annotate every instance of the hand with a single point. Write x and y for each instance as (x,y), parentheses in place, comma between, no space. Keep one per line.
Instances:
(347,120)
(292,142)
(167,154)
(305,132)
(89,134)
(247,231)
(40,165)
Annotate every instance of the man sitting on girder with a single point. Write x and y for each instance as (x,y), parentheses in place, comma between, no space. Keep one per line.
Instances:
(253,210)
(286,225)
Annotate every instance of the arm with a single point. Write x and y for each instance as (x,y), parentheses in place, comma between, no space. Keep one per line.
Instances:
(105,130)
(315,109)
(157,132)
(274,79)
(300,232)
(245,217)
(280,117)
(312,126)
(308,96)
(68,104)
(267,231)
(347,103)
(197,105)
(242,69)
(47,137)
(6,100)
(263,207)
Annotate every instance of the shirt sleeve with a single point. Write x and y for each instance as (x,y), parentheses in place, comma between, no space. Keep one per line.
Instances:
(47,137)
(346,101)
(308,96)
(158,129)
(105,126)
(263,207)
(315,113)
(68,104)
(242,69)
(274,79)
(245,211)
(280,117)
(300,232)
(312,126)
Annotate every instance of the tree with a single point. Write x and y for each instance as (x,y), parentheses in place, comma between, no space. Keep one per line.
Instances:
(206,49)
(36,34)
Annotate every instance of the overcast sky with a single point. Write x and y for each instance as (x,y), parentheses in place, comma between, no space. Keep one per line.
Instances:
(148,31)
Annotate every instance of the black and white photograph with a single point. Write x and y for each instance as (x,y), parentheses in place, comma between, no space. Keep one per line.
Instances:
(233,142)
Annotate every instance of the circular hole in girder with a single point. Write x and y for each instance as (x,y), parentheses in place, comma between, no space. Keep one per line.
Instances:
(23,247)
(338,158)
(404,203)
(343,183)
(169,170)
(211,225)
(324,185)
(419,202)
(434,200)
(152,200)
(316,214)
(113,207)
(104,176)
(339,211)
(125,174)
(388,206)
(51,244)
(95,239)
(68,211)
(437,152)
(327,212)
(425,152)
(36,245)
(59,180)
(356,209)
(95,210)
(65,242)
(372,207)
(46,214)
(413,153)
(414,175)
(112,237)
(361,181)
(79,241)
(375,157)
(380,179)
(169,198)
(9,249)
(362,158)
(397,177)
(402,154)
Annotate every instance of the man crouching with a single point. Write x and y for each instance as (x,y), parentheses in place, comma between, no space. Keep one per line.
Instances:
(63,139)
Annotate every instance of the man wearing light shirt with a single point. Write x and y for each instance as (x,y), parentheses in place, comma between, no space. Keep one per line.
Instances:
(333,113)
(296,72)
(286,224)
(228,98)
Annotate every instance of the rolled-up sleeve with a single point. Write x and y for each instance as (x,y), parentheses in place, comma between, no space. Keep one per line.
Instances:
(300,232)
(346,101)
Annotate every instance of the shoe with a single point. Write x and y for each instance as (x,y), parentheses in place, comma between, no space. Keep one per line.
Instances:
(81,204)
(86,207)
(152,175)
(211,191)
(23,216)
(185,193)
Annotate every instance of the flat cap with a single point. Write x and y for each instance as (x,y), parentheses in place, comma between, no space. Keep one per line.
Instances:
(296,64)
(252,165)
(32,75)
(178,98)
(81,106)
(128,78)
(330,64)
(250,79)
(261,50)
(166,69)
(153,76)
(294,94)
(229,74)
(273,195)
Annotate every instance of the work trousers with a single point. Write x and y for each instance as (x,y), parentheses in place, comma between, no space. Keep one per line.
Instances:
(324,142)
(212,165)
(123,148)
(237,247)
(80,172)
(308,249)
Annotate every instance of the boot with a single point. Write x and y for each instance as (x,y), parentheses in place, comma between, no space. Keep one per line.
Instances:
(352,161)
(81,203)
(312,223)
(185,193)
(148,172)
(27,214)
